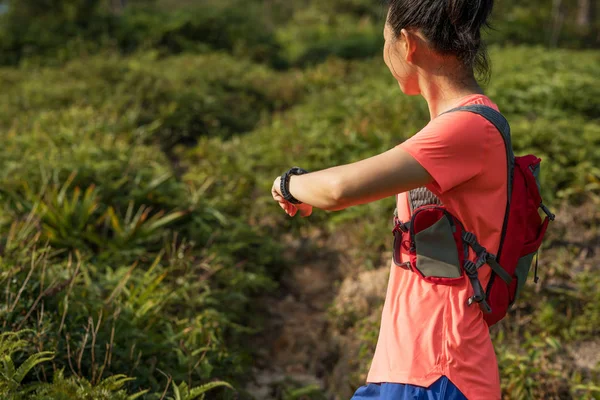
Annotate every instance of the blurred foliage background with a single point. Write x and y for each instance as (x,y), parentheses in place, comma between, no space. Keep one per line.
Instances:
(140,254)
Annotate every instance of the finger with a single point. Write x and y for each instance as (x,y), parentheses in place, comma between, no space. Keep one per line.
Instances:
(292,209)
(306,212)
(277,197)
(285,206)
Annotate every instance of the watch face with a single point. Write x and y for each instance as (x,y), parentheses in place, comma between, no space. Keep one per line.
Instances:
(298,171)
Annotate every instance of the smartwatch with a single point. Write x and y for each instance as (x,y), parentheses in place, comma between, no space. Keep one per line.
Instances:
(285,184)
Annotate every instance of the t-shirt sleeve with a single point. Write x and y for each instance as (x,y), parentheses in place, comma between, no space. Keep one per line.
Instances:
(451,148)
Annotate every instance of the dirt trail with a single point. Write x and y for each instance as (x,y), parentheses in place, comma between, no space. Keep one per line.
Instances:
(302,348)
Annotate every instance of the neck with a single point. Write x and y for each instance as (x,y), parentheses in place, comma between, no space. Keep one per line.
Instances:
(442,92)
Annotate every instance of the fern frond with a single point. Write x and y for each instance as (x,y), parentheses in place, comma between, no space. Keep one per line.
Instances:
(114,382)
(8,367)
(176,392)
(138,394)
(30,363)
(200,390)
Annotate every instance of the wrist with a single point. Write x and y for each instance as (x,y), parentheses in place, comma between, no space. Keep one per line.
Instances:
(277,186)
(284,184)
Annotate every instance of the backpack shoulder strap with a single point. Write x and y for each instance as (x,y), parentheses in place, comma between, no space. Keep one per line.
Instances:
(490,114)
(495,118)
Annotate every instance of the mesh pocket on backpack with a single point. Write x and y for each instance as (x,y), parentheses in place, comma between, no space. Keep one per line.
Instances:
(432,240)
(436,250)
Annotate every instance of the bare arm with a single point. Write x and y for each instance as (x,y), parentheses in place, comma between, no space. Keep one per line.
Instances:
(394,171)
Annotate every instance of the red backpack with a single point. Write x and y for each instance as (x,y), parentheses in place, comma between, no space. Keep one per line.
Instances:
(438,244)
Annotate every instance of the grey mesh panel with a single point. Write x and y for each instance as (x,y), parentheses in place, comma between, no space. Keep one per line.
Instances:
(421,197)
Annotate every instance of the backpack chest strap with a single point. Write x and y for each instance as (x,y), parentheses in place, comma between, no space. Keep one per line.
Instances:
(483,257)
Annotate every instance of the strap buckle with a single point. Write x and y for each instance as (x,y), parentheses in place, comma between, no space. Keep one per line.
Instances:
(485,307)
(547,211)
(405,265)
(485,258)
(470,268)
(401,227)
(470,238)
(482,259)
(478,293)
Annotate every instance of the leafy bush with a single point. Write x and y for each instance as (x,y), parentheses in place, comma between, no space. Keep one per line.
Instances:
(169,101)
(73,388)
(230,25)
(313,35)
(535,82)
(75,25)
(81,27)
(128,318)
(538,22)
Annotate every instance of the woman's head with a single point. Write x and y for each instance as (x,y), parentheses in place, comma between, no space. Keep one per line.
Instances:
(446,32)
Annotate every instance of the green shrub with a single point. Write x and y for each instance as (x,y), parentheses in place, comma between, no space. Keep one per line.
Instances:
(231,26)
(80,27)
(88,143)
(74,24)
(128,318)
(312,36)
(535,82)
(73,388)
(536,23)
(171,101)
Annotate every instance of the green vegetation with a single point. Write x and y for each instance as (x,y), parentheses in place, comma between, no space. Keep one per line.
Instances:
(137,234)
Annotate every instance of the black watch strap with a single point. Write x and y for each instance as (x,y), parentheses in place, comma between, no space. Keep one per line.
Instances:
(285,184)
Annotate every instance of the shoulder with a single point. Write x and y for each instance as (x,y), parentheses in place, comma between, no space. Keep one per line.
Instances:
(458,130)
(454,148)
(459,122)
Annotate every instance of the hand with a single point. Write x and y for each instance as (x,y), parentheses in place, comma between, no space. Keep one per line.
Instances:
(289,208)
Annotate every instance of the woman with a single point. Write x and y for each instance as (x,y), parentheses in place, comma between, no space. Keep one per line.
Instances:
(431,345)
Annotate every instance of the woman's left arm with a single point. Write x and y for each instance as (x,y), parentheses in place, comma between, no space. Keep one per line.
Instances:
(365,181)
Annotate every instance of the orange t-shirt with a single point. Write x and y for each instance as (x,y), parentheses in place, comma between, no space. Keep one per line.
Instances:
(427,330)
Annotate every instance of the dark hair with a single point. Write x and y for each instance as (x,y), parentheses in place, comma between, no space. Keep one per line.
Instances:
(451,27)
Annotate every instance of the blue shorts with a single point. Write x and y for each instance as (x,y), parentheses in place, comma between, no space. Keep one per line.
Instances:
(442,389)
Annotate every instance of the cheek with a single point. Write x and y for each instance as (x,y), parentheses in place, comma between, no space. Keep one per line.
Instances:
(386,57)
(396,66)
(402,72)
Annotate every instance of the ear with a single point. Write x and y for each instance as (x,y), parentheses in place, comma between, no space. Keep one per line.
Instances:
(408,42)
